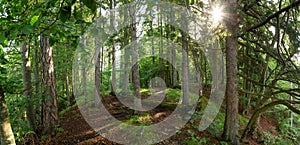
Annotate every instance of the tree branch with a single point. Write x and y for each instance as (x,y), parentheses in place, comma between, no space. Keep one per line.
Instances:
(295,4)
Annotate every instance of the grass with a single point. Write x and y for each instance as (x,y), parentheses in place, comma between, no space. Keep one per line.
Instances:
(139,120)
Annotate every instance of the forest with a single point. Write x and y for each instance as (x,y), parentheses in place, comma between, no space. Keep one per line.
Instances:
(164,72)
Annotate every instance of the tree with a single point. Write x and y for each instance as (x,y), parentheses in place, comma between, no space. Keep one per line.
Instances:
(185,61)
(112,22)
(272,55)
(135,57)
(26,70)
(6,133)
(50,108)
(185,68)
(230,132)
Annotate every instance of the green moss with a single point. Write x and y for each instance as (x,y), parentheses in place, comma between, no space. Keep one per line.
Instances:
(139,120)
(243,121)
(145,92)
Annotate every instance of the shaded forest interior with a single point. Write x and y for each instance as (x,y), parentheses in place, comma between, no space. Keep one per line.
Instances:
(215,72)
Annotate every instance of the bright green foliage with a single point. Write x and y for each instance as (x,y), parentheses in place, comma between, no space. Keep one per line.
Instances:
(268,70)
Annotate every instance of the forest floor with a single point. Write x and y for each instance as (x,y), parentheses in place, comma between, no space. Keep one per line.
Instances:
(75,130)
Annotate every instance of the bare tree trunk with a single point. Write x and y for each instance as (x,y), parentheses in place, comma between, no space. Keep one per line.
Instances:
(231,120)
(291,115)
(152,41)
(6,133)
(126,57)
(205,71)
(114,80)
(97,71)
(67,78)
(198,71)
(185,68)
(135,56)
(84,85)
(161,49)
(174,74)
(37,84)
(50,109)
(27,93)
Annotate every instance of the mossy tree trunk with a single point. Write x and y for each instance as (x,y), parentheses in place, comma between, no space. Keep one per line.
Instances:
(230,132)
(6,133)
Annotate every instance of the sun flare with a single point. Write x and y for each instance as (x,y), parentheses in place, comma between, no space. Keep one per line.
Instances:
(217,14)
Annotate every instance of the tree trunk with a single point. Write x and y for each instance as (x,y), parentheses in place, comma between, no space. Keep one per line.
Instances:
(84,71)
(185,68)
(50,109)
(198,71)
(174,73)
(135,56)
(114,80)
(231,120)
(97,72)
(161,49)
(6,133)
(37,84)
(126,58)
(27,93)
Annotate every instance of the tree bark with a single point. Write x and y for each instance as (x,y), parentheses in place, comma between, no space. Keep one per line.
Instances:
(231,120)
(27,86)
(135,56)
(174,73)
(97,72)
(114,80)
(84,71)
(6,133)
(126,57)
(50,109)
(37,84)
(185,68)
(198,71)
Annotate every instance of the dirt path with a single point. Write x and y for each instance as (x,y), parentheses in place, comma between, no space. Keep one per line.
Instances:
(75,129)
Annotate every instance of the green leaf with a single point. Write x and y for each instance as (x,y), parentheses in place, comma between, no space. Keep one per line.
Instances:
(13,33)
(2,38)
(90,4)
(33,20)
(65,13)
(5,42)
(27,29)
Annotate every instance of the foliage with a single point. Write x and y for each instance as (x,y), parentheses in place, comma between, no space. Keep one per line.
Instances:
(268,52)
(139,120)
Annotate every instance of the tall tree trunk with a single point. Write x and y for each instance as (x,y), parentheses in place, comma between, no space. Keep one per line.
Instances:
(67,75)
(27,93)
(112,23)
(126,57)
(50,109)
(37,83)
(97,72)
(185,68)
(152,41)
(135,56)
(84,71)
(6,133)
(205,70)
(198,71)
(161,49)
(114,79)
(174,73)
(231,120)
